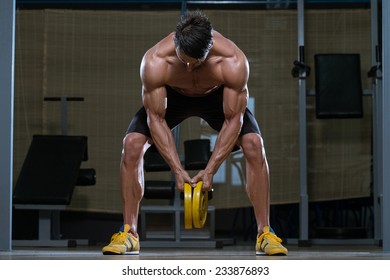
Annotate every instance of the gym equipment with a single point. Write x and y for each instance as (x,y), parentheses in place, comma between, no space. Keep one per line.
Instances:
(49,174)
(200,203)
(50,170)
(339,92)
(46,182)
(196,155)
(157,189)
(187,206)
(300,70)
(195,206)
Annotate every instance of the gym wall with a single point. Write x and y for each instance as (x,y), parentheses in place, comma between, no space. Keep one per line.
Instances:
(96,54)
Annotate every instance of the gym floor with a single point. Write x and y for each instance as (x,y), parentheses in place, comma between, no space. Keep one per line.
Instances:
(231,252)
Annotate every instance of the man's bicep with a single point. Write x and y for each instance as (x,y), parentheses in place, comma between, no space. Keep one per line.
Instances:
(155,102)
(236,89)
(234,102)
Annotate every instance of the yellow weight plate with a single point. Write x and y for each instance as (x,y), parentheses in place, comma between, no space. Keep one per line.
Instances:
(187,206)
(200,203)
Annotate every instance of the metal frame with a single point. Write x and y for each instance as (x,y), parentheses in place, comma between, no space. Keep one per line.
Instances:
(7,51)
(48,225)
(177,238)
(303,196)
(385,147)
(381,135)
(377,122)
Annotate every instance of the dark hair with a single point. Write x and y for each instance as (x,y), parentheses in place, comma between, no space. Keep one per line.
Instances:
(194,34)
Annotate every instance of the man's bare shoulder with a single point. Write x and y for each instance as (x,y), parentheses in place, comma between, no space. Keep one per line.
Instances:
(164,50)
(157,59)
(234,64)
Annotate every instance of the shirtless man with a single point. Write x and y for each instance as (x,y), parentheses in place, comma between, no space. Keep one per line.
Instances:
(194,71)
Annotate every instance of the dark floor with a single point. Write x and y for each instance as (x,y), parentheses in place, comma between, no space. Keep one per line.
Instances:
(231,252)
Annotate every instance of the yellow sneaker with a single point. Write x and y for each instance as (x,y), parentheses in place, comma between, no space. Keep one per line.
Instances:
(268,243)
(122,243)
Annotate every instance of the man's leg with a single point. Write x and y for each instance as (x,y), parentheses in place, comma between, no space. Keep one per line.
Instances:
(258,189)
(132,177)
(257,177)
(132,188)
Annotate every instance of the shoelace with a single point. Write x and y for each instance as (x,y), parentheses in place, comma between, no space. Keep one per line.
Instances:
(270,236)
(119,238)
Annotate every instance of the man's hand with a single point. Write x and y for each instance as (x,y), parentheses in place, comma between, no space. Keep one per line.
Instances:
(181,178)
(207,179)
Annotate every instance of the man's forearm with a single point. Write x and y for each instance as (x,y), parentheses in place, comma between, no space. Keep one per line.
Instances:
(226,140)
(163,139)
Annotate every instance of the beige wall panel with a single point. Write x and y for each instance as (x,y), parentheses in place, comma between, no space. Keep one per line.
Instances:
(96,55)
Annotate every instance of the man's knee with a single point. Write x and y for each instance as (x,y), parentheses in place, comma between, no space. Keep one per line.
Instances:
(133,144)
(253,148)
(252,143)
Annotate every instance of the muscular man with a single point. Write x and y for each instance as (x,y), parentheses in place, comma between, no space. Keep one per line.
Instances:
(194,71)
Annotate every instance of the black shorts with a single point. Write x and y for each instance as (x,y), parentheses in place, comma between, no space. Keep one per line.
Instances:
(181,107)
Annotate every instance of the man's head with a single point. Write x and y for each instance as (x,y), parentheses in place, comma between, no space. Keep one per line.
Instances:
(194,35)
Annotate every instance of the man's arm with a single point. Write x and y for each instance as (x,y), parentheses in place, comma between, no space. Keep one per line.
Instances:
(154,100)
(234,107)
(162,136)
(235,98)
